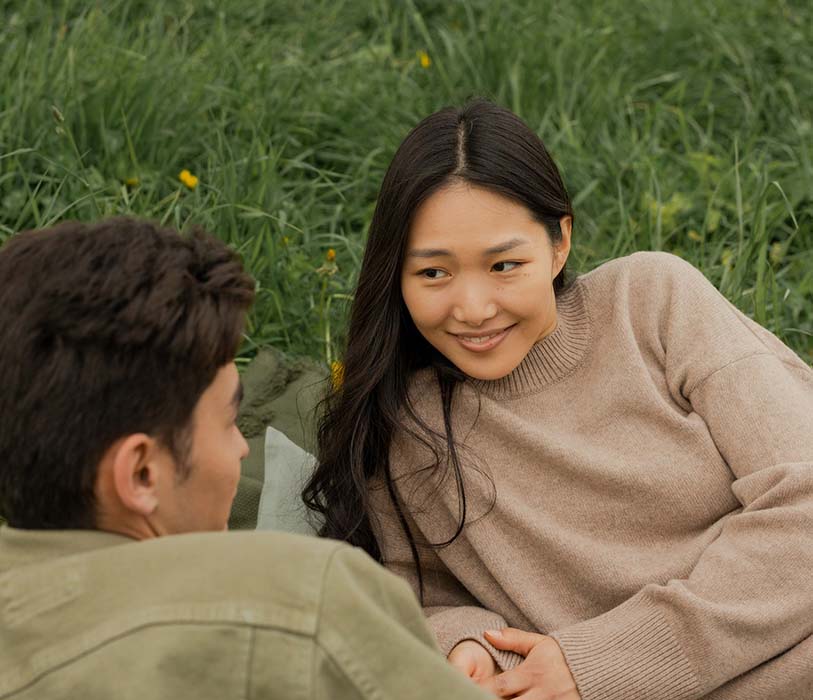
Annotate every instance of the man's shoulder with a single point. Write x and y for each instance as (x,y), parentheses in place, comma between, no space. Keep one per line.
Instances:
(178,595)
(262,569)
(240,545)
(256,577)
(261,578)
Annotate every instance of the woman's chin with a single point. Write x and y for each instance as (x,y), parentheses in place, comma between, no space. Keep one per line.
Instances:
(488,371)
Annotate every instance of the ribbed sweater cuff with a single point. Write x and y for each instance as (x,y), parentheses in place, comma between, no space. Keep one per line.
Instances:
(629,653)
(455,625)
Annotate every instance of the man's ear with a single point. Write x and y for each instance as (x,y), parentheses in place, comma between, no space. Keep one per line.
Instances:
(562,249)
(135,471)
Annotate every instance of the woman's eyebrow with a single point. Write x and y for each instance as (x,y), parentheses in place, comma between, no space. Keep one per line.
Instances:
(429,253)
(503,247)
(443,252)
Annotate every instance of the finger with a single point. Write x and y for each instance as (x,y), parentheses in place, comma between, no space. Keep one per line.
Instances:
(480,674)
(464,665)
(510,639)
(508,684)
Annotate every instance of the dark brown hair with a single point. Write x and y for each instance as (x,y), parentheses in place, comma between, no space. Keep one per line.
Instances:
(481,144)
(106,330)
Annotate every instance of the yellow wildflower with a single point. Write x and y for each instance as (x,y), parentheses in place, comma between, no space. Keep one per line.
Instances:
(727,258)
(188,179)
(336,374)
(776,252)
(695,236)
(132,182)
(423,57)
(714,220)
(330,256)
(286,240)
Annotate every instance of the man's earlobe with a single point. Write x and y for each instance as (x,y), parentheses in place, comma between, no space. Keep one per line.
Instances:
(135,473)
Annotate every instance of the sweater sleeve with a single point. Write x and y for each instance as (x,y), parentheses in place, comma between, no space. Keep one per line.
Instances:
(452,612)
(749,596)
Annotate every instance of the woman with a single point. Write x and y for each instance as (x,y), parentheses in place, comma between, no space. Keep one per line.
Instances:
(620,466)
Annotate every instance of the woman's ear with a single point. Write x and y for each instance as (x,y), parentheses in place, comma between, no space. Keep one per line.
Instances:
(562,249)
(135,473)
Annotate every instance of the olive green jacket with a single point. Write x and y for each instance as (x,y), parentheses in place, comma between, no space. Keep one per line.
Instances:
(248,615)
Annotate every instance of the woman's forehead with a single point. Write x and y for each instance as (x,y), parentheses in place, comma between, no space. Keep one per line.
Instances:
(473,217)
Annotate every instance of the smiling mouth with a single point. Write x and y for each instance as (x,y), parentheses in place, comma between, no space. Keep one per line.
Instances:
(483,342)
(479,340)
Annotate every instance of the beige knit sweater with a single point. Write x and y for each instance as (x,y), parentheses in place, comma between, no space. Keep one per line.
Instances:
(640,487)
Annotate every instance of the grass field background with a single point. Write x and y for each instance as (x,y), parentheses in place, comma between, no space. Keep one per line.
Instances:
(685,127)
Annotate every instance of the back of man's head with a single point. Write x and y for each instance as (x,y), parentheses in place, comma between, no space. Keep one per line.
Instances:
(106,330)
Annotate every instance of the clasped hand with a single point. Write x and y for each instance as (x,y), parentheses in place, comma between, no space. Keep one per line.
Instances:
(543,675)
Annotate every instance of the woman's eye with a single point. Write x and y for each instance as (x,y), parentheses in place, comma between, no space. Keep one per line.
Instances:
(505,266)
(432,273)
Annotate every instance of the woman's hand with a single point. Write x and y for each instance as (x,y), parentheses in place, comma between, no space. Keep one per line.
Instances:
(473,659)
(544,675)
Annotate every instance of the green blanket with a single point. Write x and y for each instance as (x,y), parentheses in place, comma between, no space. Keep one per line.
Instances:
(281,393)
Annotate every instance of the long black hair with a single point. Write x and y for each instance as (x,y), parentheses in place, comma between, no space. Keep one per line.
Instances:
(481,144)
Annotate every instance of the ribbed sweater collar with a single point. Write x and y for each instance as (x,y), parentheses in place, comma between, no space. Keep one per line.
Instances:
(552,358)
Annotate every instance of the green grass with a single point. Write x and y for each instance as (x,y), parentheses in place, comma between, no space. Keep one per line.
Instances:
(684,127)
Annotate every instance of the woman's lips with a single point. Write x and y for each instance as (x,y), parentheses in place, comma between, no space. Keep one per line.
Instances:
(483,343)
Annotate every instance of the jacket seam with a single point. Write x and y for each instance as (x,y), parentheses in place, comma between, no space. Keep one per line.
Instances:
(369,692)
(342,664)
(38,676)
(322,589)
(249,662)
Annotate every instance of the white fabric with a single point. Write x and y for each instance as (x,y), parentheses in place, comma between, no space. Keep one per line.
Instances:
(287,468)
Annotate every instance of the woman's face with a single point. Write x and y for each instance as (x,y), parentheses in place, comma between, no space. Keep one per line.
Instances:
(478,278)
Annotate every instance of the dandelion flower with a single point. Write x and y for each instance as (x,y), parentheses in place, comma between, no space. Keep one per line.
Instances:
(423,57)
(188,179)
(336,374)
(132,182)
(330,256)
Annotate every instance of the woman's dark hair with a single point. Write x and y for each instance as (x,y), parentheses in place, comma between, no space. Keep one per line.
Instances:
(481,144)
(106,330)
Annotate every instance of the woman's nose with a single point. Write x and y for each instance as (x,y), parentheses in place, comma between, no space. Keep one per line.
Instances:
(474,307)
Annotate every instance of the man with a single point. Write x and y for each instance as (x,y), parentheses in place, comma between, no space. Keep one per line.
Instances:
(119,459)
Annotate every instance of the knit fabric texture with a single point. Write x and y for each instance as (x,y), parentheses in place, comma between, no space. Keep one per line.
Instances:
(640,487)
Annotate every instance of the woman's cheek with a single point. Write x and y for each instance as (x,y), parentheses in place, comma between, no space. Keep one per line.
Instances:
(427,312)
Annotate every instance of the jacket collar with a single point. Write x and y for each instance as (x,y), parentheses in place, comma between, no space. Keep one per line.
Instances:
(24,547)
